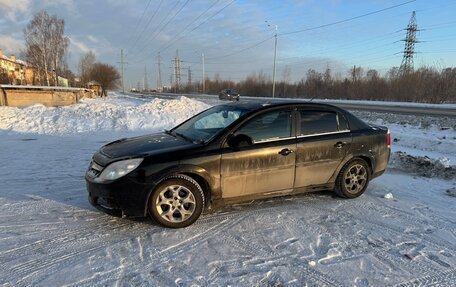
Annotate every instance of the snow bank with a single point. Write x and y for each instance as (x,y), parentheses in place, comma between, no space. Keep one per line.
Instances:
(115,113)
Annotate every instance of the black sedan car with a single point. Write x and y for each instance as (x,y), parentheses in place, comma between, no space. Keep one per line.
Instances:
(229,94)
(237,152)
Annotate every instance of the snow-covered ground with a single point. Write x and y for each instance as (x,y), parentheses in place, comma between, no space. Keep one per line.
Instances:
(401,231)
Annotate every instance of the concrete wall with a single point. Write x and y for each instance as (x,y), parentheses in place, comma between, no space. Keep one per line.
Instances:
(23,97)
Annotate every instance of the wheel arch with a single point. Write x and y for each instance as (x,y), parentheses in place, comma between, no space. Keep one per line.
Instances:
(369,159)
(199,174)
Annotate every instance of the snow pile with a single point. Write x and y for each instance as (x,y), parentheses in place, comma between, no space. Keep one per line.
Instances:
(389,195)
(423,165)
(115,113)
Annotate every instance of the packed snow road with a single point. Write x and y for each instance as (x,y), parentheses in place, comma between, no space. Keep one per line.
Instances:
(402,231)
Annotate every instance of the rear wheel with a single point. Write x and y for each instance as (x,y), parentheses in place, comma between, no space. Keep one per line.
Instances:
(353,179)
(177,202)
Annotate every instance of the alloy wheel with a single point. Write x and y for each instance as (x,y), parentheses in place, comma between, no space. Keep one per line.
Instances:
(175,203)
(355,178)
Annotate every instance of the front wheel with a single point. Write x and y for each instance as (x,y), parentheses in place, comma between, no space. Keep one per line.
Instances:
(177,201)
(353,179)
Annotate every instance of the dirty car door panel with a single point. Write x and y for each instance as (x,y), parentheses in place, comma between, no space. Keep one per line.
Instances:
(322,144)
(266,165)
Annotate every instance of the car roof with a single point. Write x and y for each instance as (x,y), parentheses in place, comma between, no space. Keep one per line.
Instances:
(265,104)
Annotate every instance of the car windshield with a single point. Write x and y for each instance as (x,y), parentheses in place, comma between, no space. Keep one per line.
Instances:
(208,124)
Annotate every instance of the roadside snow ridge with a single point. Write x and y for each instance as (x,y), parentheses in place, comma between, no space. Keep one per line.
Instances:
(115,113)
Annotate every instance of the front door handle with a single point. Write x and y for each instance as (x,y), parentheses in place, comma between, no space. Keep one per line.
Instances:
(285,151)
(339,144)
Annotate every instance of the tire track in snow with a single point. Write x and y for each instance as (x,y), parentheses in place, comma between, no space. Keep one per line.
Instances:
(447,278)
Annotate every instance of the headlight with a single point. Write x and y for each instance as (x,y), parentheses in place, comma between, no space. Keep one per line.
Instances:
(119,168)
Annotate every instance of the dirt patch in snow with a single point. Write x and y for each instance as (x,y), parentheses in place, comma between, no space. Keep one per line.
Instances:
(451,192)
(423,165)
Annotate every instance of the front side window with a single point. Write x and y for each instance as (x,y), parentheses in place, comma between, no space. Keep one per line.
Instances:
(318,122)
(268,126)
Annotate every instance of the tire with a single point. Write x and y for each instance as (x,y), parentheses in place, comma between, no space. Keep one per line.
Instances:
(177,201)
(353,179)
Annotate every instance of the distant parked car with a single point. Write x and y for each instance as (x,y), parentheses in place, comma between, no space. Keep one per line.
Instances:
(228,94)
(237,152)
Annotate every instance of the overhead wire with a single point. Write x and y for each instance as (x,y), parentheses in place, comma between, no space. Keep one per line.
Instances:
(315,28)
(139,21)
(160,29)
(183,30)
(148,23)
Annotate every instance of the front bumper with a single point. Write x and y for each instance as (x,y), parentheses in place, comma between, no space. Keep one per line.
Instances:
(124,197)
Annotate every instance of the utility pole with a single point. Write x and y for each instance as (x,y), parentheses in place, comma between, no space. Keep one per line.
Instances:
(275,56)
(122,62)
(409,49)
(146,84)
(189,76)
(354,73)
(177,73)
(171,80)
(159,80)
(204,76)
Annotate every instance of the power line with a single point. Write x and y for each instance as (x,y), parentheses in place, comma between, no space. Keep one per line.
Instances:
(140,19)
(182,31)
(166,24)
(242,50)
(348,19)
(200,24)
(148,23)
(315,28)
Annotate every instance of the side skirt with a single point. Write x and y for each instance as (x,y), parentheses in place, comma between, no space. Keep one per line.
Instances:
(217,204)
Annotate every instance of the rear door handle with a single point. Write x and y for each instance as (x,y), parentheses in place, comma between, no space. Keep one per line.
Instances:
(339,144)
(285,151)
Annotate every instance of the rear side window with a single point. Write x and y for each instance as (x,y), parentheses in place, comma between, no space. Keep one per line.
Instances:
(318,122)
(343,125)
(268,126)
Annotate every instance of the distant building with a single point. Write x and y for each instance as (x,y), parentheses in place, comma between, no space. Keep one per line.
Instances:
(93,85)
(14,68)
(19,73)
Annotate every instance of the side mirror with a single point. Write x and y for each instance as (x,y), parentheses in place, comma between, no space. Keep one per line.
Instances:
(240,140)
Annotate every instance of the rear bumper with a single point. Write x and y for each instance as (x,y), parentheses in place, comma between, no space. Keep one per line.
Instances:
(123,197)
(378,173)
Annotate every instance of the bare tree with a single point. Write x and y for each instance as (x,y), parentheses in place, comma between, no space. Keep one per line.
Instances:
(85,67)
(45,44)
(106,75)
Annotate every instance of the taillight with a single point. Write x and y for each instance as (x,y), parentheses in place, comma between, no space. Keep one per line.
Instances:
(388,138)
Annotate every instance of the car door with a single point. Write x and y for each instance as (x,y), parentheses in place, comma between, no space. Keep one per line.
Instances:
(322,142)
(267,164)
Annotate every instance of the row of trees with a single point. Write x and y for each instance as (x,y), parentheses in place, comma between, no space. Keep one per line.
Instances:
(425,84)
(45,50)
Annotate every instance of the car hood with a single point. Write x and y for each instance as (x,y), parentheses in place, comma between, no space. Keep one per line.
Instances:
(144,145)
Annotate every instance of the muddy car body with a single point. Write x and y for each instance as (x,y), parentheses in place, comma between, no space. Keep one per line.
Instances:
(237,152)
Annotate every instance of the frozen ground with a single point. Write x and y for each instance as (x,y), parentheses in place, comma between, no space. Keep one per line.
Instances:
(50,235)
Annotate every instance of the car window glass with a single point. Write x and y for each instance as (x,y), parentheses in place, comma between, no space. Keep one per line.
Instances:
(318,122)
(268,126)
(342,123)
(220,119)
(209,123)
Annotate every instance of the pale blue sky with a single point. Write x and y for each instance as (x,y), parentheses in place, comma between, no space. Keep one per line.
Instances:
(235,38)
